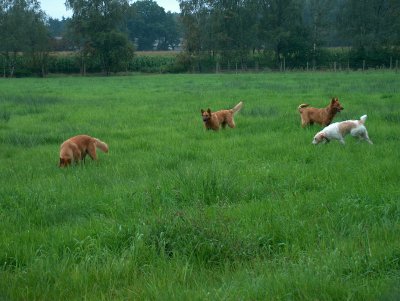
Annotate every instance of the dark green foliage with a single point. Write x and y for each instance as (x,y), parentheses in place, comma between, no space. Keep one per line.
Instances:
(150,27)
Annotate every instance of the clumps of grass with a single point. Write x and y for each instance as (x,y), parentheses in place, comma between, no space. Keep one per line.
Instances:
(261,112)
(392,117)
(209,240)
(29,140)
(9,263)
(5,115)
(30,105)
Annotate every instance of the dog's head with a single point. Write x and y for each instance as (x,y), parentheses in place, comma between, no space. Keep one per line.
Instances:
(335,105)
(206,115)
(319,137)
(64,162)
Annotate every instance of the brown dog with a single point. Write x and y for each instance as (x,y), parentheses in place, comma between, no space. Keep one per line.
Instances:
(76,148)
(214,120)
(324,116)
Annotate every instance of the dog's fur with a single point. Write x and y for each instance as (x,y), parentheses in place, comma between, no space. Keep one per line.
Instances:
(324,116)
(76,148)
(339,130)
(214,120)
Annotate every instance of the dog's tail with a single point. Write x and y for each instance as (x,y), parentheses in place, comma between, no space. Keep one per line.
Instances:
(101,145)
(303,105)
(363,118)
(237,107)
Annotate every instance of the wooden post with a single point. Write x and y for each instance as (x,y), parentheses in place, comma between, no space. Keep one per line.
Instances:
(391,59)
(334,66)
(236,68)
(284,64)
(397,65)
(307,65)
(363,65)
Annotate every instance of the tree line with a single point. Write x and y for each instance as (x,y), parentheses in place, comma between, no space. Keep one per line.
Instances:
(104,34)
(290,31)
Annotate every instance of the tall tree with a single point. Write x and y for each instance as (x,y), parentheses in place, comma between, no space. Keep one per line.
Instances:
(282,29)
(95,24)
(23,30)
(368,24)
(151,27)
(318,19)
(198,33)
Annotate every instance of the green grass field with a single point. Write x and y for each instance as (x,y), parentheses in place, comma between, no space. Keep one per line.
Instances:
(175,212)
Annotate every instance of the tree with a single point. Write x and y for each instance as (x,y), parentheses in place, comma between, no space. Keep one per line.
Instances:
(281,28)
(372,28)
(23,30)
(96,24)
(150,27)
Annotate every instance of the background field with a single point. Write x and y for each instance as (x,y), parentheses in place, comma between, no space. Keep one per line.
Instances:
(179,213)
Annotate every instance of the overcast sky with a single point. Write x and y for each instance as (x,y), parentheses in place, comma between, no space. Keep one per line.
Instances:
(56,8)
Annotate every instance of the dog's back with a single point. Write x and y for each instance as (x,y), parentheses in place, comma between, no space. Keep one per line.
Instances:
(323,116)
(213,120)
(76,148)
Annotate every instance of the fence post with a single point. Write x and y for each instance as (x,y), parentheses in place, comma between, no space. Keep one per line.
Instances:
(391,59)
(216,67)
(334,66)
(363,65)
(307,65)
(397,65)
(236,68)
(284,64)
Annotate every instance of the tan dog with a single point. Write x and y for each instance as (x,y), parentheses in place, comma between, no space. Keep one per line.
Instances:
(214,120)
(324,116)
(76,148)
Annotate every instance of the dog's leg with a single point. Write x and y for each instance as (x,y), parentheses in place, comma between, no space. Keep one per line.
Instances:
(366,137)
(230,122)
(91,151)
(341,140)
(304,121)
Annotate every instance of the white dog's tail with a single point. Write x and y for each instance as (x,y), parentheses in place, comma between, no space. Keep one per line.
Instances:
(362,119)
(237,107)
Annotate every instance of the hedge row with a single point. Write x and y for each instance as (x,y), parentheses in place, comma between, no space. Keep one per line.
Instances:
(327,59)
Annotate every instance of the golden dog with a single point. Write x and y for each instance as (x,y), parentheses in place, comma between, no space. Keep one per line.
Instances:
(214,120)
(324,116)
(76,148)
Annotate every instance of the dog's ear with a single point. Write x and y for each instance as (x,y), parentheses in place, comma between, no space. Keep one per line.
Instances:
(333,100)
(202,111)
(209,111)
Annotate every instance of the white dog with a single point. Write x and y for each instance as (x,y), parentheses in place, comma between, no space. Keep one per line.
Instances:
(338,130)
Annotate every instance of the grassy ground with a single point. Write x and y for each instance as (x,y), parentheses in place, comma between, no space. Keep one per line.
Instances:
(175,212)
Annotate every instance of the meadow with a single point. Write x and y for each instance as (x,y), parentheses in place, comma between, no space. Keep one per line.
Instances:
(174,212)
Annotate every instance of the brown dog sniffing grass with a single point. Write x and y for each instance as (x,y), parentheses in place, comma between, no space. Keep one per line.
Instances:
(76,148)
(324,116)
(214,120)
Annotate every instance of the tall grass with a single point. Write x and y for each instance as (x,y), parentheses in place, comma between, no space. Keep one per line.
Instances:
(176,212)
